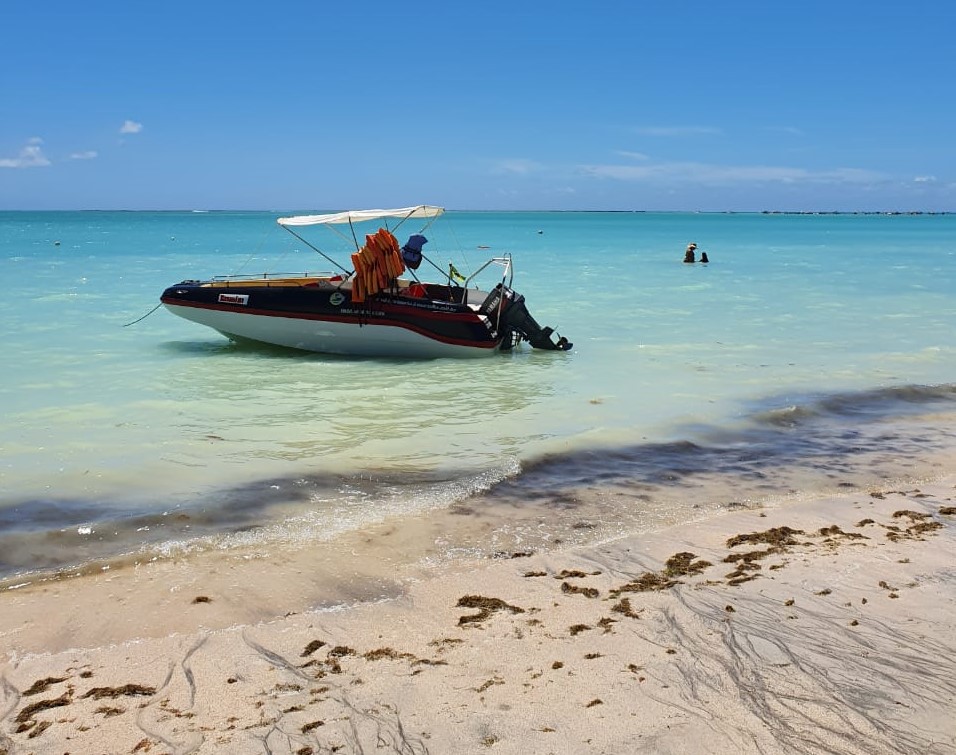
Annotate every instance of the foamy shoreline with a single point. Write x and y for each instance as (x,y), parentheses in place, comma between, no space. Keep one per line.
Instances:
(836,635)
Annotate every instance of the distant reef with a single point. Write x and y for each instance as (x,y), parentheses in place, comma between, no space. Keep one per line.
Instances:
(851,212)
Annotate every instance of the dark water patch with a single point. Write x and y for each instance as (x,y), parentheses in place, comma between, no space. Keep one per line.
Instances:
(229,509)
(872,433)
(46,535)
(873,404)
(235,508)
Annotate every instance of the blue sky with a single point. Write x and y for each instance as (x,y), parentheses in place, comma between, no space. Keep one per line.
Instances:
(483,105)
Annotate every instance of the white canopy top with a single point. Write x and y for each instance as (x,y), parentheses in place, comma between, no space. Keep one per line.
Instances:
(355,216)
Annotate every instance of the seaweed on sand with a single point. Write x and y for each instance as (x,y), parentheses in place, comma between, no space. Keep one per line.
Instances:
(486,608)
(679,565)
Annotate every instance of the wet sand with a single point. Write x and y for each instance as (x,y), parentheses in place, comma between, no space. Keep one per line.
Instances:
(824,625)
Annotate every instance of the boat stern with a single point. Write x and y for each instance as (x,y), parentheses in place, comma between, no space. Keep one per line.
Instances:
(516,323)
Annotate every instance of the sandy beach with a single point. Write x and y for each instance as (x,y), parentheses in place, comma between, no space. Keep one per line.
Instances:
(818,626)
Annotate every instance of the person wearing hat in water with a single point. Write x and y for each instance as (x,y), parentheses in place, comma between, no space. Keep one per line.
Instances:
(689,254)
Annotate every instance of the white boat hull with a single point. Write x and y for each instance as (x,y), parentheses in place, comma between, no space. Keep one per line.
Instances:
(387,339)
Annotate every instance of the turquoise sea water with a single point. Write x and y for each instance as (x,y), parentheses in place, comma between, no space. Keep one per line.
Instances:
(813,350)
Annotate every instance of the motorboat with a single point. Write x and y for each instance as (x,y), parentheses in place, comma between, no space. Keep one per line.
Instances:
(379,305)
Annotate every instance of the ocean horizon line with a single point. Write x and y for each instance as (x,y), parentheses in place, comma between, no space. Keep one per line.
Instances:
(204,211)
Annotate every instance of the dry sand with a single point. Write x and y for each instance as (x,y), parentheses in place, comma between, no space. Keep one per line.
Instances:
(820,626)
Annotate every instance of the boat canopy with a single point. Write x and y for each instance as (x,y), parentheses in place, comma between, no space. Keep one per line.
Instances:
(356,216)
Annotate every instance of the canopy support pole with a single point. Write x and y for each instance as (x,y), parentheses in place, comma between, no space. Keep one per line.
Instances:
(317,250)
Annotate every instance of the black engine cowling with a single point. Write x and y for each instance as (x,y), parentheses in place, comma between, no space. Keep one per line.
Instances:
(516,323)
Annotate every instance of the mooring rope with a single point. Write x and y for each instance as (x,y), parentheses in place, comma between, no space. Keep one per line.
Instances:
(144,316)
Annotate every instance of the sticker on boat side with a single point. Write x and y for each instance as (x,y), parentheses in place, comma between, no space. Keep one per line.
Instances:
(337,298)
(242,299)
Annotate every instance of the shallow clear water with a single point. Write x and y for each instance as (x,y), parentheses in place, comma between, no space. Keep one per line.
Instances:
(113,437)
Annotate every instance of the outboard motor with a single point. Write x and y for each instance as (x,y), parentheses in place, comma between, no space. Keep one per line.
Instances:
(516,322)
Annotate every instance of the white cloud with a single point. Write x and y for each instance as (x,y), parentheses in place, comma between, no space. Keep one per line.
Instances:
(676,130)
(925,179)
(633,155)
(792,130)
(86,155)
(131,127)
(30,156)
(704,173)
(517,165)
